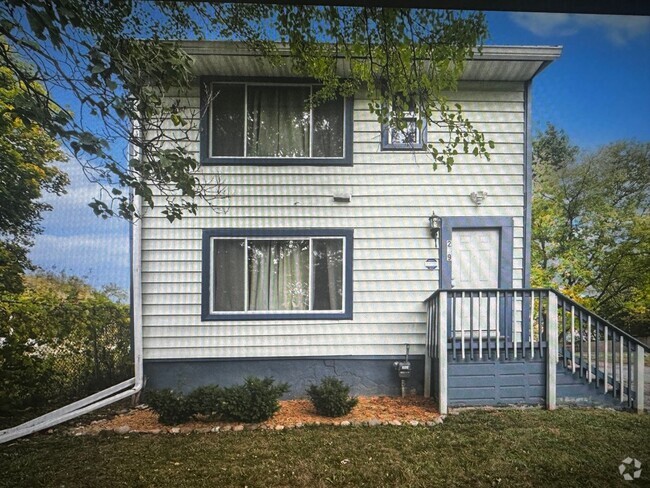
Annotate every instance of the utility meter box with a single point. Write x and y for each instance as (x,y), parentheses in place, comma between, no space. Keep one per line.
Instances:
(403,369)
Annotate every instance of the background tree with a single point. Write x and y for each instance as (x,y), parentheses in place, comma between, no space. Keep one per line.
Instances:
(591,227)
(553,147)
(111,58)
(60,340)
(27,154)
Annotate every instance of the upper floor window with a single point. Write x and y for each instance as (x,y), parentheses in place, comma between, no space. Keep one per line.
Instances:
(271,123)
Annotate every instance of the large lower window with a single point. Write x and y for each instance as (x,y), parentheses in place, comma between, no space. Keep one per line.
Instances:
(277,274)
(259,123)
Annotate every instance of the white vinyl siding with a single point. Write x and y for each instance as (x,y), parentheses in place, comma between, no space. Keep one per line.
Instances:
(393,194)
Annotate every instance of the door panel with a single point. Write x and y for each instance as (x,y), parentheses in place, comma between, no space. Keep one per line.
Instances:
(475,264)
(475,258)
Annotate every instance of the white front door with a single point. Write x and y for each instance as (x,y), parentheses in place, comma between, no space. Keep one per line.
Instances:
(475,258)
(475,265)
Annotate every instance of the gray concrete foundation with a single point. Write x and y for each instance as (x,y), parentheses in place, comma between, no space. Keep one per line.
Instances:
(366,375)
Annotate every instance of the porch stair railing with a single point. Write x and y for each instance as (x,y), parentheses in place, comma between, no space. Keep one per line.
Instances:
(531,323)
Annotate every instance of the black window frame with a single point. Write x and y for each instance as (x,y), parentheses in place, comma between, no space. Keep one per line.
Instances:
(204,128)
(387,145)
(206,272)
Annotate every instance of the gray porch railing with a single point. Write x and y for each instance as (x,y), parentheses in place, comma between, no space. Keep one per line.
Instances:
(529,323)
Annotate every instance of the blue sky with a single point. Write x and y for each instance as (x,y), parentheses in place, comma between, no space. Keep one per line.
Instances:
(598,91)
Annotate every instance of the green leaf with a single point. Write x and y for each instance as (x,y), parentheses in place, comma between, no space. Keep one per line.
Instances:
(98,68)
(36,23)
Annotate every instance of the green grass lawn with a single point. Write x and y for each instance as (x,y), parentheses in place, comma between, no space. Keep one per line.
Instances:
(476,448)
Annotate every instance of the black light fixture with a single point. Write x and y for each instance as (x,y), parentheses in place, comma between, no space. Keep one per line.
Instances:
(435,223)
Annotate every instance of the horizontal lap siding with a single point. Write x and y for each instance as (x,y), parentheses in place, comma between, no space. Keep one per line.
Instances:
(393,195)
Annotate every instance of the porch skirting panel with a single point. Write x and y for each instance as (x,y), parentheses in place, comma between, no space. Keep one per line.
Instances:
(367,375)
(496,382)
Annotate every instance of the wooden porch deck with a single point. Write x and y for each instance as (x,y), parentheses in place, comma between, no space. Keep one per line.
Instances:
(530,346)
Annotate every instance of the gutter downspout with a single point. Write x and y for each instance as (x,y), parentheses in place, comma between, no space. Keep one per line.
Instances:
(136,283)
(119,391)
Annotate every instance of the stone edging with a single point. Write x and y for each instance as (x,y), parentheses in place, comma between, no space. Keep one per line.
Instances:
(125,429)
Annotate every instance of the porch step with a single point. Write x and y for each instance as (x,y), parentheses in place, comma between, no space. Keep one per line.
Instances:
(522,381)
(597,384)
(574,390)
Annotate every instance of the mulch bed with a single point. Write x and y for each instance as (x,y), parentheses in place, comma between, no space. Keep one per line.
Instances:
(292,413)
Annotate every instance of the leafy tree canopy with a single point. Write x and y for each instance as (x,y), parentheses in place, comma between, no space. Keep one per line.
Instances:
(591,227)
(552,147)
(112,57)
(26,171)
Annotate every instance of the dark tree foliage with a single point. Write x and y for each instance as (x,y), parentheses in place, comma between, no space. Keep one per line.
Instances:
(553,147)
(116,61)
(332,397)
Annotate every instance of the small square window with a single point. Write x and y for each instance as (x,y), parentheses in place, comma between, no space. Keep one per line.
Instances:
(408,137)
(410,134)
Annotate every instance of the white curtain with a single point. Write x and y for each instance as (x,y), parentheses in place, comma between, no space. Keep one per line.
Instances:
(229,255)
(278,124)
(328,274)
(259,257)
(278,275)
(333,270)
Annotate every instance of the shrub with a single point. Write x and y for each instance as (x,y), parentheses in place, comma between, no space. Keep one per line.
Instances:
(332,398)
(206,400)
(254,401)
(172,407)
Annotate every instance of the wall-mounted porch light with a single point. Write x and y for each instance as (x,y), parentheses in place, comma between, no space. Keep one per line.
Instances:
(435,223)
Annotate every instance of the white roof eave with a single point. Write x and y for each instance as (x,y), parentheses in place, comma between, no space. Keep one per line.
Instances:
(493,63)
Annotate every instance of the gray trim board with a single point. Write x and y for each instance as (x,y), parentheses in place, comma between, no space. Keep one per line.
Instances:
(504,224)
(528,183)
(207,314)
(389,357)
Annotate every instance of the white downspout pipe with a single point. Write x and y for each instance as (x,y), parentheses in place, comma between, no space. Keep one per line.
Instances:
(136,286)
(114,393)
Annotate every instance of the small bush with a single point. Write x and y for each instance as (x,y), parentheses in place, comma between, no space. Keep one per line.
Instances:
(332,398)
(254,401)
(172,407)
(206,400)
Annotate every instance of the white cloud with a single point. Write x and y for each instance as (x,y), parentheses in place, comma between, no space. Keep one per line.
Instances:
(80,192)
(101,248)
(78,242)
(619,29)
(99,258)
(544,24)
